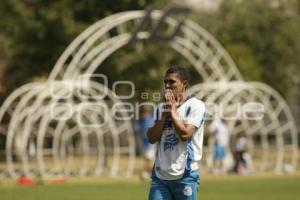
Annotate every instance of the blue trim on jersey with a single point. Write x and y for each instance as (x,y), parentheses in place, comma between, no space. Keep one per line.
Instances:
(188,111)
(190,157)
(189,97)
(203,118)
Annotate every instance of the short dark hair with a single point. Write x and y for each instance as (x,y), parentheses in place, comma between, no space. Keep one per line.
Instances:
(182,73)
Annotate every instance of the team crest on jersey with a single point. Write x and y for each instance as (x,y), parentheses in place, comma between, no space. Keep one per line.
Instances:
(171,141)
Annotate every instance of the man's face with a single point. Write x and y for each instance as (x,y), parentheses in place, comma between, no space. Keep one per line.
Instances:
(174,83)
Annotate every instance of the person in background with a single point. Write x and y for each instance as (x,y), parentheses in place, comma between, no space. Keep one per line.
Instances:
(143,123)
(220,134)
(242,160)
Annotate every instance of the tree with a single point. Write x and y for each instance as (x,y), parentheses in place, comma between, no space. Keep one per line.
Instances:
(36,32)
(262,37)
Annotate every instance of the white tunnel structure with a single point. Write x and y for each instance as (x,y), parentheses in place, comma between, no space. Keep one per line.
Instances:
(258,111)
(39,115)
(41,144)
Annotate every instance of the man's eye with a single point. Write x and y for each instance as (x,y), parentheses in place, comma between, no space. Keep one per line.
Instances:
(169,82)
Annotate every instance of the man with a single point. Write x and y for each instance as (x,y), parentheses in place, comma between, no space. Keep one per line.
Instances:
(178,132)
(220,135)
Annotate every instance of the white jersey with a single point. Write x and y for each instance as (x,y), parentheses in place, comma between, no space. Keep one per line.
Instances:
(220,131)
(174,156)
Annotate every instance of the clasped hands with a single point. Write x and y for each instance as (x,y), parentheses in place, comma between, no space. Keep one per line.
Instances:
(171,102)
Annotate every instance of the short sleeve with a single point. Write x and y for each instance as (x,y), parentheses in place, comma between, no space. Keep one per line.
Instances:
(195,114)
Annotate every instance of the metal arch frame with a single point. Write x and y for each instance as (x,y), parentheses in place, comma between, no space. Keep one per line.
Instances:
(15,115)
(290,125)
(237,98)
(78,49)
(13,97)
(86,158)
(220,93)
(29,123)
(33,108)
(233,91)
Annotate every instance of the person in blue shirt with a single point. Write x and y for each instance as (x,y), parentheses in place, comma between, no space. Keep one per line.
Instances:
(143,123)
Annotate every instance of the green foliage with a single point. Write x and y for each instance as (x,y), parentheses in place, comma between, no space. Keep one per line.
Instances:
(38,31)
(247,61)
(262,37)
(34,33)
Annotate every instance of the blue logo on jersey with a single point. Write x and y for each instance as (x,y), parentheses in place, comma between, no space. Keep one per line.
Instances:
(170,141)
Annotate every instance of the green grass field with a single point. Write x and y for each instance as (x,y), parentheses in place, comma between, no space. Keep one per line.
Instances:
(256,187)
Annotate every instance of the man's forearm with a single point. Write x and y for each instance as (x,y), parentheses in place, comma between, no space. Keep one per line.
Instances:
(155,132)
(182,130)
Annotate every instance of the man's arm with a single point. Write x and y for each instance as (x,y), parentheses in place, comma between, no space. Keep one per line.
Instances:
(185,131)
(154,133)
